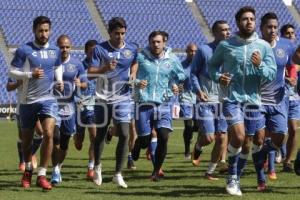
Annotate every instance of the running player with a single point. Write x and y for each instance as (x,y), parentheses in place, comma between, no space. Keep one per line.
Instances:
(36,63)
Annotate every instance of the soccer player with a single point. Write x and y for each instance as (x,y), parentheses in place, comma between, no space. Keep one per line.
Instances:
(85,100)
(212,124)
(288,31)
(246,60)
(36,63)
(274,109)
(157,67)
(74,77)
(113,60)
(187,99)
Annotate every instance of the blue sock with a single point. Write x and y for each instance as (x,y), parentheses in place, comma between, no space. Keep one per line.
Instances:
(241,164)
(129,157)
(36,144)
(20,152)
(258,162)
(271,161)
(233,157)
(283,151)
(153,145)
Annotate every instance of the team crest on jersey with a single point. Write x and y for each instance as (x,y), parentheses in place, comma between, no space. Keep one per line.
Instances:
(167,65)
(127,53)
(280,53)
(52,54)
(70,68)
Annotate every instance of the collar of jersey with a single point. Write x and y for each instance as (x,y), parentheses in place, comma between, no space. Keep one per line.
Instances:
(115,47)
(251,39)
(41,46)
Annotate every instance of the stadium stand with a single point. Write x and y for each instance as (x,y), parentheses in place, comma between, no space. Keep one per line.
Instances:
(5,97)
(68,17)
(145,16)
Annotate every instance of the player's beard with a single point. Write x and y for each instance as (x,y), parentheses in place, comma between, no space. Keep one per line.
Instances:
(246,34)
(41,41)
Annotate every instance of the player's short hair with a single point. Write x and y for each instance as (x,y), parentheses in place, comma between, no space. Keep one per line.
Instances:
(285,27)
(89,43)
(216,24)
(164,34)
(61,37)
(266,17)
(41,20)
(243,10)
(116,22)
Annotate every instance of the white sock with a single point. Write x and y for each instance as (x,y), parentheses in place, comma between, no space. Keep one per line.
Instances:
(91,164)
(211,168)
(42,171)
(57,168)
(28,166)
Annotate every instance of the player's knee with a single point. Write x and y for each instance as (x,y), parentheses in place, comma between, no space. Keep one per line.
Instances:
(144,141)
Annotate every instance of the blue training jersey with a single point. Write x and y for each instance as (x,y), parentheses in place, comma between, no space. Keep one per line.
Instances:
(112,86)
(274,91)
(188,94)
(72,68)
(31,56)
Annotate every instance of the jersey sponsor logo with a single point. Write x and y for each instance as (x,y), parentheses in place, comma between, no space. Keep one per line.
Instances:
(127,53)
(70,68)
(52,54)
(280,53)
(34,54)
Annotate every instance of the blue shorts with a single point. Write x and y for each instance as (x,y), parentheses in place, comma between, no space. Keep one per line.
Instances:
(152,115)
(274,118)
(30,113)
(86,118)
(248,114)
(294,109)
(68,125)
(119,112)
(211,119)
(186,110)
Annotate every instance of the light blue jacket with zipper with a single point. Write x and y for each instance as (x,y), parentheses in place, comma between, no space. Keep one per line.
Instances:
(234,55)
(159,73)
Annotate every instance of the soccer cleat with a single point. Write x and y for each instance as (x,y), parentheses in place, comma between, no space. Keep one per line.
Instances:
(211,177)
(238,191)
(56,178)
(161,173)
(22,167)
(261,186)
(130,165)
(34,161)
(118,179)
(232,187)
(90,174)
(26,179)
(297,164)
(97,178)
(108,136)
(287,167)
(272,175)
(195,157)
(42,182)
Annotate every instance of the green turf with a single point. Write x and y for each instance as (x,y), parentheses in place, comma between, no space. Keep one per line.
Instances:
(182,181)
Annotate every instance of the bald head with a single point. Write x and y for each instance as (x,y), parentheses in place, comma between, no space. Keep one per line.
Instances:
(191,49)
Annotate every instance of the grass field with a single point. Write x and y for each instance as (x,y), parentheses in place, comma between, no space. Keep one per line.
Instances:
(182,181)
